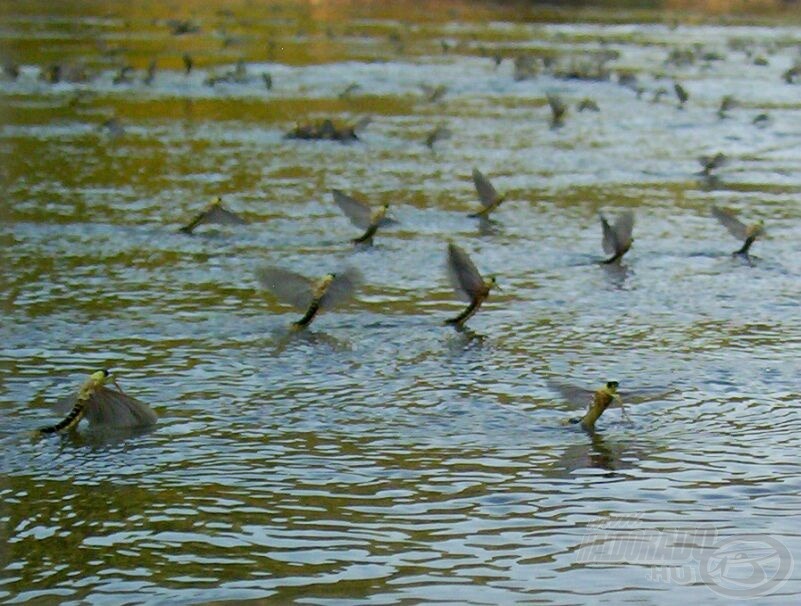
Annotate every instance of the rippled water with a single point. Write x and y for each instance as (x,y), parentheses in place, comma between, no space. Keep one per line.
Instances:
(381,457)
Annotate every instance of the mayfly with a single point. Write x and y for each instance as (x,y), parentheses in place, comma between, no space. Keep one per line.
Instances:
(711,163)
(681,94)
(362,215)
(558,109)
(599,400)
(215,213)
(467,282)
(101,405)
(440,133)
(746,233)
(617,239)
(490,199)
(310,296)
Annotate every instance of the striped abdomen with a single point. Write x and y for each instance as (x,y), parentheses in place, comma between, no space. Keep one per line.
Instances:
(467,313)
(309,315)
(746,245)
(367,236)
(70,421)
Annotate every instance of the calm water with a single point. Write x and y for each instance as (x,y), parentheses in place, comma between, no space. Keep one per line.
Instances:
(381,457)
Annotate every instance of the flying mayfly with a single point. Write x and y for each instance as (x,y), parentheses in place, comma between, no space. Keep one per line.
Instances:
(617,239)
(310,296)
(681,94)
(490,199)
(216,214)
(746,233)
(598,401)
(558,109)
(711,163)
(438,134)
(363,216)
(101,405)
(467,283)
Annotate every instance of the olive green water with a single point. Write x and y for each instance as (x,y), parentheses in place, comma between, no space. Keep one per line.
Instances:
(381,457)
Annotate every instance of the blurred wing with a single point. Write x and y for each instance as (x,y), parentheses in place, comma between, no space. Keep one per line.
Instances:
(112,408)
(357,211)
(580,396)
(577,396)
(556,104)
(341,289)
(643,394)
(609,239)
(464,276)
(65,404)
(362,123)
(287,286)
(215,214)
(441,132)
(624,226)
(386,221)
(222,216)
(736,227)
(486,192)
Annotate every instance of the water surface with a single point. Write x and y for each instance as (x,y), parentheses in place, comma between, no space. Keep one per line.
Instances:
(379,456)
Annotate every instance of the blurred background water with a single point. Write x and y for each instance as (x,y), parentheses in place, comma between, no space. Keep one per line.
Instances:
(379,456)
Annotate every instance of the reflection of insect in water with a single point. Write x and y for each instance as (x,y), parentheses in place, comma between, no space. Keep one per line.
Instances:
(101,405)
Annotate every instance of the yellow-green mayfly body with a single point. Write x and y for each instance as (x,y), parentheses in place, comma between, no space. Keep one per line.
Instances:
(101,405)
(599,400)
(310,296)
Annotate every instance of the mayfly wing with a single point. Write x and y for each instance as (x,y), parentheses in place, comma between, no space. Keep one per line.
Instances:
(464,277)
(287,286)
(362,123)
(357,211)
(609,240)
(486,192)
(342,288)
(726,217)
(222,216)
(644,394)
(111,408)
(581,396)
(624,226)
(578,396)
(65,404)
